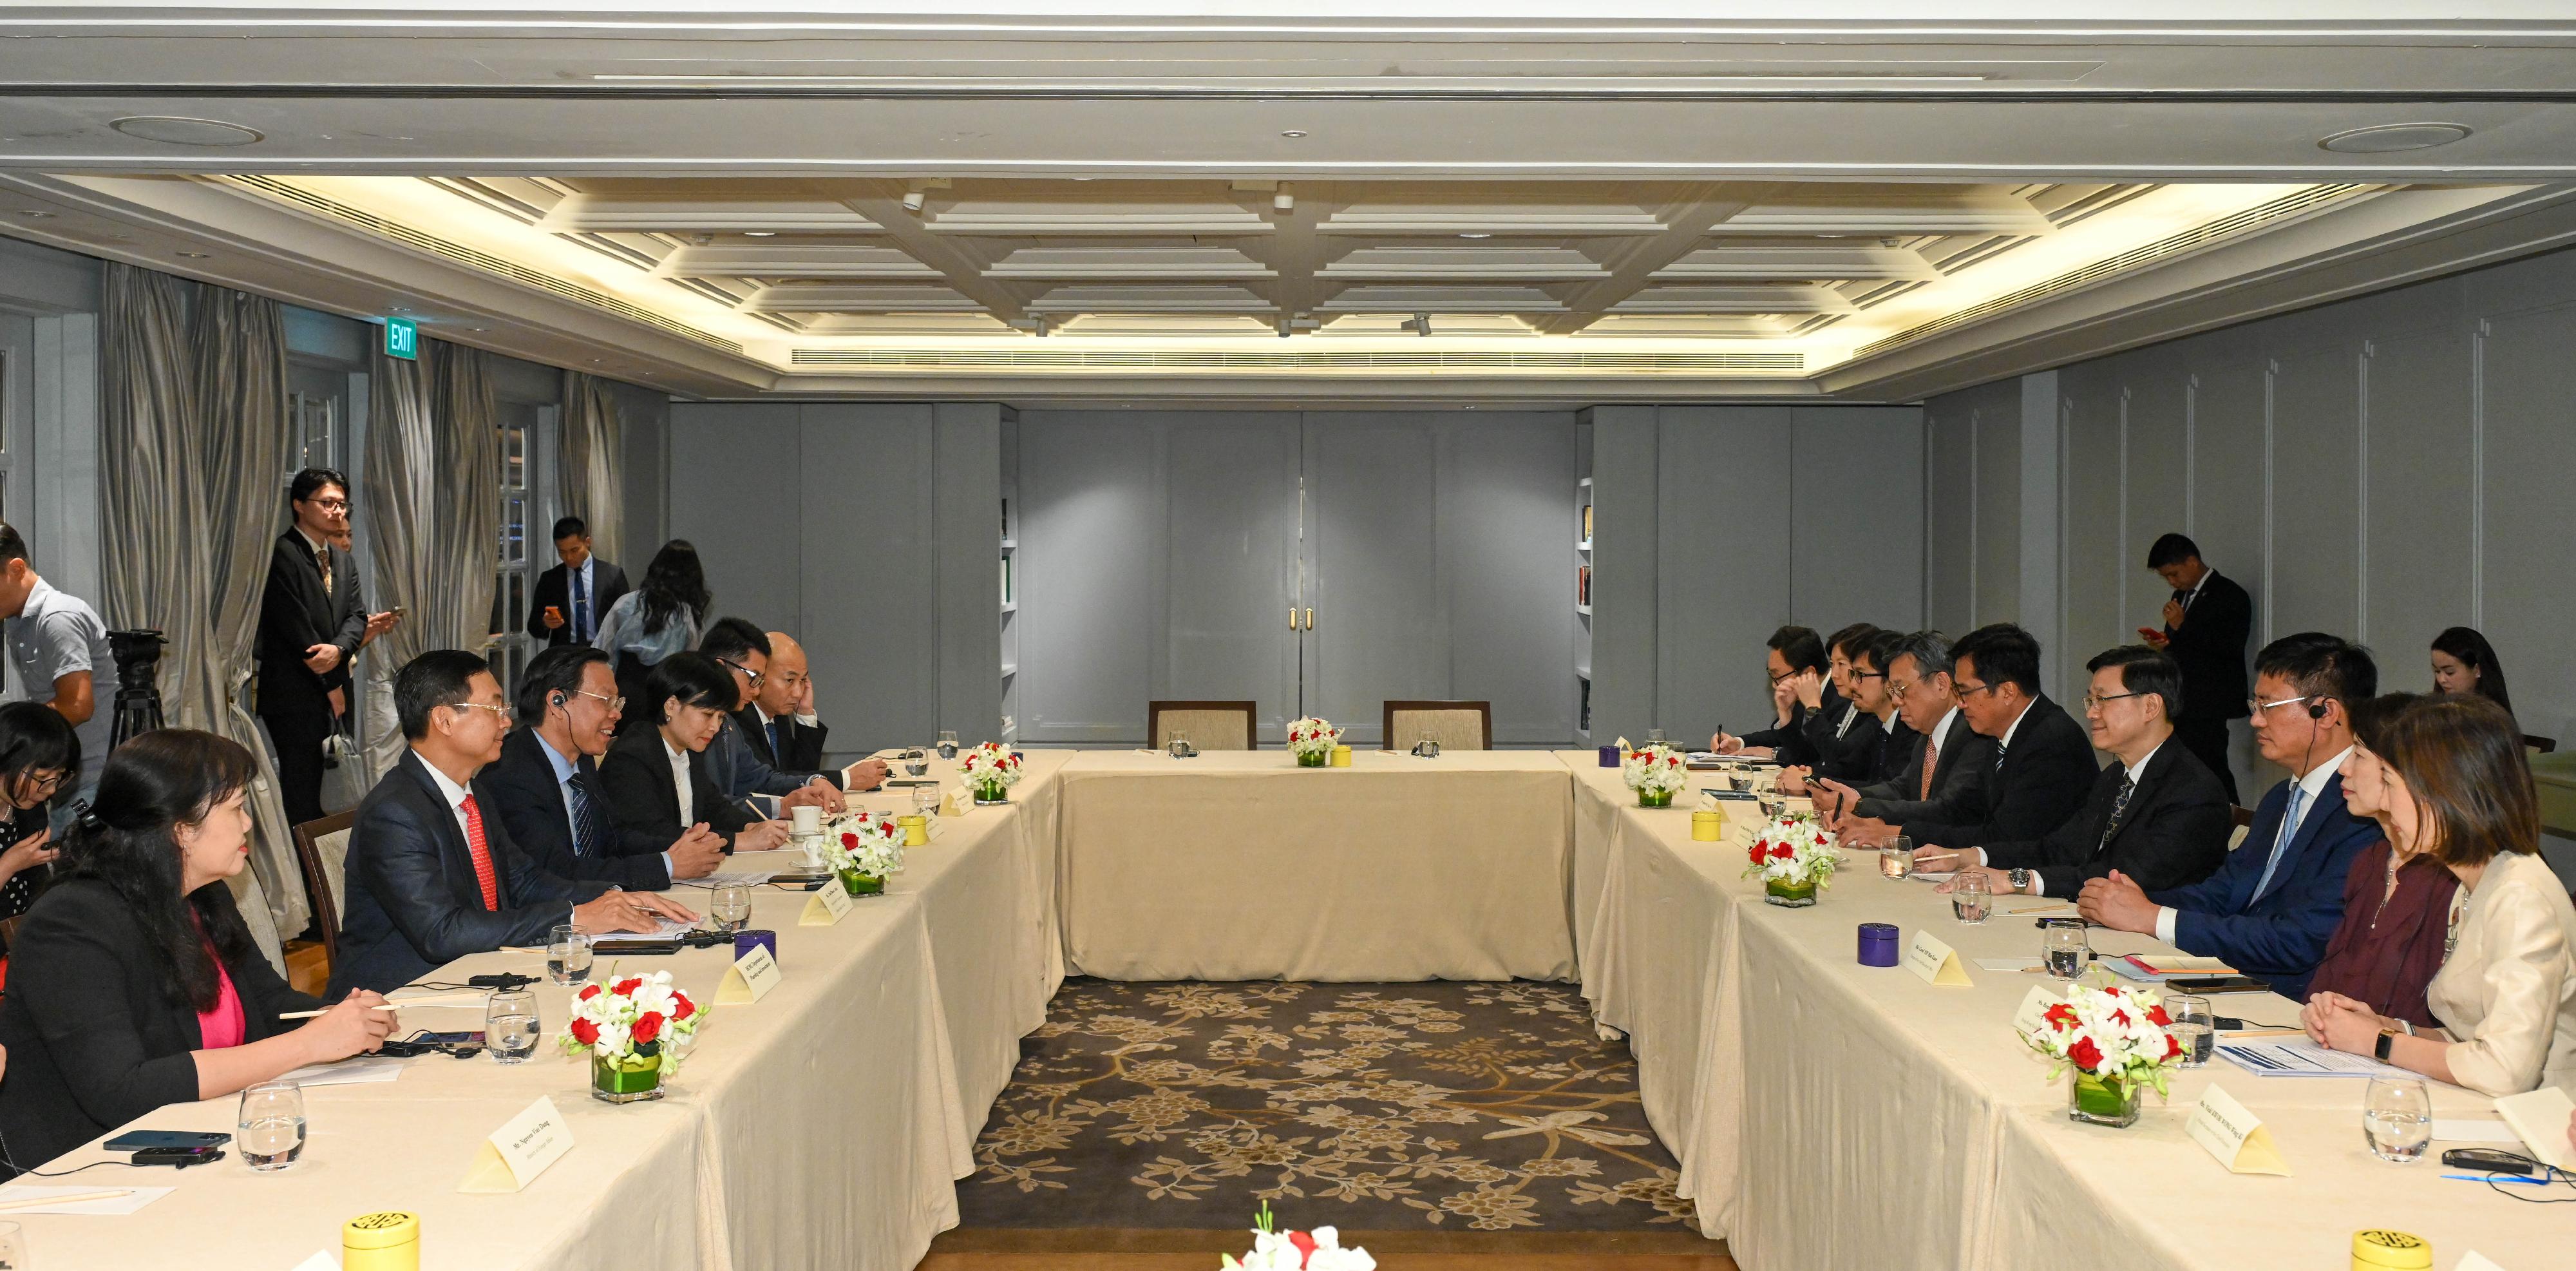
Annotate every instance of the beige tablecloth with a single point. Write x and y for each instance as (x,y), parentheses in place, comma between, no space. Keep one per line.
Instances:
(1242,866)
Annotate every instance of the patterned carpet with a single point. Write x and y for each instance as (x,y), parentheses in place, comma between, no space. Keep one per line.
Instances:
(1490,1107)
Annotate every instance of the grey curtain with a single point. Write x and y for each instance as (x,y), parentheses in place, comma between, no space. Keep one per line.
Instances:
(433,499)
(590,463)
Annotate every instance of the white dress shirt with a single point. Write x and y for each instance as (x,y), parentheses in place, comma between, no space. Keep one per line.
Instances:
(2002,744)
(2315,786)
(680,778)
(456,796)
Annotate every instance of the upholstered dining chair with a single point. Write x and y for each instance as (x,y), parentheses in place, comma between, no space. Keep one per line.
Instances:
(1455,725)
(2540,745)
(322,850)
(1209,725)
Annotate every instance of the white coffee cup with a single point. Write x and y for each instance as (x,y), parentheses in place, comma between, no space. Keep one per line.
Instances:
(805,818)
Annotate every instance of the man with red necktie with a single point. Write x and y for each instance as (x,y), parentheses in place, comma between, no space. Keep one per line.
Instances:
(432,875)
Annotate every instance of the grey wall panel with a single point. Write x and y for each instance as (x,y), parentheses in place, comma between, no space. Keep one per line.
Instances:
(1230,520)
(2156,497)
(1381,626)
(1856,519)
(867,567)
(2227,475)
(2421,510)
(1090,553)
(2527,379)
(2316,490)
(1511,618)
(2092,533)
(966,515)
(739,502)
(1725,514)
(1998,517)
(1627,543)
(1950,492)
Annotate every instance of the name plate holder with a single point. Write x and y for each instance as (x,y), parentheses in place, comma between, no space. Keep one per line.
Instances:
(1933,960)
(2033,1015)
(519,1151)
(825,905)
(2235,1136)
(749,979)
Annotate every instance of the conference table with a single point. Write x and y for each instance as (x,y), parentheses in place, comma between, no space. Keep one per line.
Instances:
(1825,1114)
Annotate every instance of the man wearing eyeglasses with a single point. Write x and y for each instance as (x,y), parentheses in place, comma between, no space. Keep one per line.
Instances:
(735,767)
(61,651)
(2041,767)
(2270,910)
(547,787)
(2156,814)
(312,620)
(1947,761)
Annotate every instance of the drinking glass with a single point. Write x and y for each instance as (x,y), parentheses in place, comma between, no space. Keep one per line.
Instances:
(2065,948)
(2397,1119)
(947,743)
(916,761)
(13,1248)
(568,956)
(510,1029)
(1738,778)
(1654,736)
(1972,898)
(1772,803)
(270,1130)
(925,800)
(732,906)
(2194,1026)
(1180,745)
(1896,860)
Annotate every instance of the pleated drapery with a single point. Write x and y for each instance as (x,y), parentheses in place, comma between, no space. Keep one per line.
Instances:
(590,463)
(433,499)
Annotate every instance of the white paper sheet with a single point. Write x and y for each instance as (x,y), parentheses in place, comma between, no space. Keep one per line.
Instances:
(356,1071)
(2302,1058)
(2473,1130)
(2008,964)
(137,1199)
(734,878)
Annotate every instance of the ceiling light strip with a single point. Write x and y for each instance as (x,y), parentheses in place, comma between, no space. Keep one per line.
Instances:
(1067,359)
(483,261)
(2189,240)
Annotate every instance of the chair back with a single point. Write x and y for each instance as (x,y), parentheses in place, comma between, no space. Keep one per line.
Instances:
(1210,725)
(322,852)
(2243,821)
(2540,745)
(1455,725)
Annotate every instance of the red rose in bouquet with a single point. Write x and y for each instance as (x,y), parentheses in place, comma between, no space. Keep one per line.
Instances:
(2086,1055)
(585,1032)
(647,1026)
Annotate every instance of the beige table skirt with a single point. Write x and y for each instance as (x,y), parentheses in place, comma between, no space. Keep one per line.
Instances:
(1242,866)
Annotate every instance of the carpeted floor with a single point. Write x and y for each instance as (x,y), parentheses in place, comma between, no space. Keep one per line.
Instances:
(1484,1107)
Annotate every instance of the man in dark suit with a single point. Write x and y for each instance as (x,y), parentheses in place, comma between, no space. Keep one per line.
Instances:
(780,725)
(2042,767)
(2207,624)
(1841,733)
(2156,814)
(658,779)
(1892,742)
(2270,910)
(312,620)
(1798,666)
(432,875)
(548,788)
(571,597)
(1946,760)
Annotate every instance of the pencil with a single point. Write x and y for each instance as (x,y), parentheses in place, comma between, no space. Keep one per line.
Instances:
(74,1199)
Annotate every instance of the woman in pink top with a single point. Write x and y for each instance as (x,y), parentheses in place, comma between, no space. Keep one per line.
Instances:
(133,982)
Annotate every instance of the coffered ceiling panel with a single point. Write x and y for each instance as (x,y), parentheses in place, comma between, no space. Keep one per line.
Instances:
(790,260)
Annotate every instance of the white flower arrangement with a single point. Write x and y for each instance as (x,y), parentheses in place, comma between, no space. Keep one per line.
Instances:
(1309,737)
(2112,1032)
(1653,768)
(990,766)
(639,1015)
(1795,848)
(1317,1250)
(864,844)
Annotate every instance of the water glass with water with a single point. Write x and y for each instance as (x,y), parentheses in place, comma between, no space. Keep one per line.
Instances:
(1972,897)
(568,956)
(947,744)
(2065,948)
(13,1248)
(732,907)
(2397,1119)
(270,1130)
(2194,1025)
(1896,860)
(510,1028)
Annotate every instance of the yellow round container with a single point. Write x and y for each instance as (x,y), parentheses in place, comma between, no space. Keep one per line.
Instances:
(2377,1250)
(1708,825)
(386,1241)
(916,829)
(1341,756)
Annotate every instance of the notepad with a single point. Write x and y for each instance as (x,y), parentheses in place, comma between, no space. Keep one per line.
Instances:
(2171,964)
(357,1070)
(2540,1117)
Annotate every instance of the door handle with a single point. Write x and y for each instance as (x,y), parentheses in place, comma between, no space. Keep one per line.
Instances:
(1310,620)
(1292,617)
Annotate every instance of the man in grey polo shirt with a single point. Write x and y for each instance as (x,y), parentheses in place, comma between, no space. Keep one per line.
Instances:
(59,646)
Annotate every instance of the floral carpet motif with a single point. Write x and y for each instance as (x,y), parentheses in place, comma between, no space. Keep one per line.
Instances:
(1480,1106)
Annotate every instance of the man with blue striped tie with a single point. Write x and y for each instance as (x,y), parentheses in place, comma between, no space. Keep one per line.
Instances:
(546,783)
(2271,908)
(571,598)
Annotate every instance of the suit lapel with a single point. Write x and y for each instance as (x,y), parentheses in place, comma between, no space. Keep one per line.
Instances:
(452,851)
(2158,764)
(2259,836)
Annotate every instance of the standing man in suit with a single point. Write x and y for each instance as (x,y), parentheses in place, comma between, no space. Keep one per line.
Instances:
(1947,761)
(2270,910)
(658,778)
(312,620)
(548,788)
(433,873)
(2042,767)
(569,599)
(2207,624)
(2156,815)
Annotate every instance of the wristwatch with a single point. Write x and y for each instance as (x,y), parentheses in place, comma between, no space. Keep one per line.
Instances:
(2019,878)
(2380,1050)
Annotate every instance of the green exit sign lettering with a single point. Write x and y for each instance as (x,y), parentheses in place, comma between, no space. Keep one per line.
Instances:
(402,338)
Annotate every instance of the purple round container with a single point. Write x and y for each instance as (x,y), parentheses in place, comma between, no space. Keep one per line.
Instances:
(745,941)
(1878,944)
(1609,756)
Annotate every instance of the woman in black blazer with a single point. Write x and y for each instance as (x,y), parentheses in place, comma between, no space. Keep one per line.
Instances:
(135,983)
(686,698)
(38,752)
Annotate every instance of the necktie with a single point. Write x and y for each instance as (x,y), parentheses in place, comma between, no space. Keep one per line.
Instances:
(1931,760)
(2281,841)
(1999,758)
(580,609)
(476,847)
(322,556)
(2119,808)
(777,748)
(589,834)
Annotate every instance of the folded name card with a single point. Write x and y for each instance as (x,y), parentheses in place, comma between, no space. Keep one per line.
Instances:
(519,1151)
(749,979)
(2033,1015)
(825,905)
(1933,959)
(2235,1136)
(2475,1261)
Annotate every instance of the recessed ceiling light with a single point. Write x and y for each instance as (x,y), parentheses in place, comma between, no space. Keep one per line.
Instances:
(179,130)
(760,233)
(198,255)
(1294,133)
(37,213)
(1475,236)
(2387,138)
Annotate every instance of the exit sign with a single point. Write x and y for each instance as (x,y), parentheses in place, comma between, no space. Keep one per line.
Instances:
(402,338)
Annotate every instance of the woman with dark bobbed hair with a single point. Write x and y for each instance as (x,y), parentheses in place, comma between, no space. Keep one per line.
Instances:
(38,753)
(2463,662)
(136,984)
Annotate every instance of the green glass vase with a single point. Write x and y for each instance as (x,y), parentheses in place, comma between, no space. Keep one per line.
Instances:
(630,1080)
(858,884)
(1317,760)
(1654,798)
(2103,1100)
(1782,892)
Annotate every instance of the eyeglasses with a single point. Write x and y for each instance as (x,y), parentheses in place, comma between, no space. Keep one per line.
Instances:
(2096,701)
(617,704)
(1897,688)
(46,784)
(2258,706)
(502,711)
(756,678)
(1859,674)
(1967,691)
(330,505)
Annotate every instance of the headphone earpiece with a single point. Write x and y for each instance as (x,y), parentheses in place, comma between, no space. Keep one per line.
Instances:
(556,698)
(2316,710)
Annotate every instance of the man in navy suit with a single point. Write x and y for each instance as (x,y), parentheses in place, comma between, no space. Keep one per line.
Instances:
(2271,908)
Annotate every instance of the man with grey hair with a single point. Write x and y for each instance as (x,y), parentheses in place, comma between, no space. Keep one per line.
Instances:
(1950,758)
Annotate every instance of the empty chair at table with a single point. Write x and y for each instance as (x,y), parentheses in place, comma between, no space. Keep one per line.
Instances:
(1455,725)
(1208,725)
